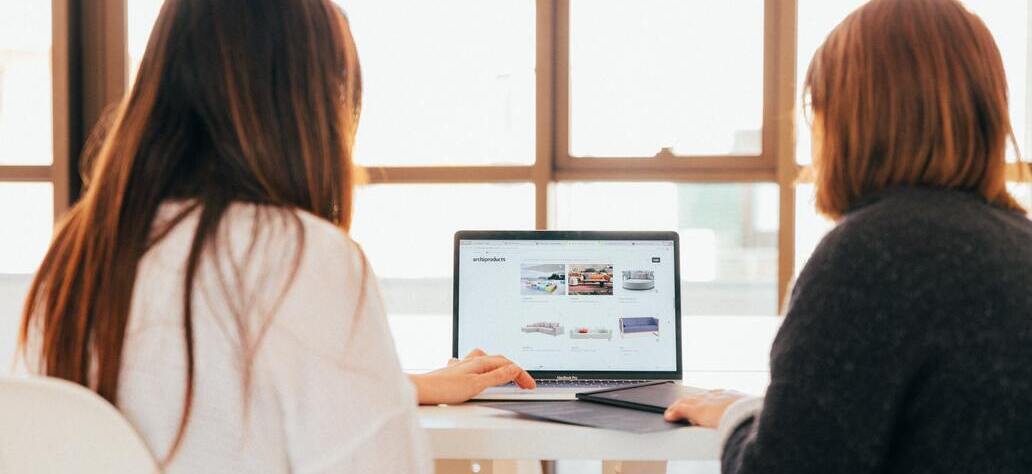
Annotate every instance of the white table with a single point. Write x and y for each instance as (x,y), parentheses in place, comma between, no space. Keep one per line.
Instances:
(724,352)
(464,435)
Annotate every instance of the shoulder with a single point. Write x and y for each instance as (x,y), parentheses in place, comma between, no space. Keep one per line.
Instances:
(914,240)
(253,236)
(274,237)
(296,267)
(903,225)
(330,291)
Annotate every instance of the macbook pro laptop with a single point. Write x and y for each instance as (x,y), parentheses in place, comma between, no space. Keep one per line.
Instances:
(579,310)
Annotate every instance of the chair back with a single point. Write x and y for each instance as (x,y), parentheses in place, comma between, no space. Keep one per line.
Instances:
(54,426)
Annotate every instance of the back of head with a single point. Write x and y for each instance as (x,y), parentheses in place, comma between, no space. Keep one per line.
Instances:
(908,93)
(235,101)
(254,100)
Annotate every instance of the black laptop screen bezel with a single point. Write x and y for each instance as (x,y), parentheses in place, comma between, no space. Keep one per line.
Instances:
(577,235)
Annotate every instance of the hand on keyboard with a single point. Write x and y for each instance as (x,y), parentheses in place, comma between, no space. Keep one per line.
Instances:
(465,378)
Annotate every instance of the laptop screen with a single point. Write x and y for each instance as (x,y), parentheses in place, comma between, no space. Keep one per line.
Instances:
(570,305)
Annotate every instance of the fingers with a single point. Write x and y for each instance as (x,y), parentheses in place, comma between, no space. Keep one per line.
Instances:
(524,380)
(682,409)
(480,362)
(473,354)
(487,363)
(499,376)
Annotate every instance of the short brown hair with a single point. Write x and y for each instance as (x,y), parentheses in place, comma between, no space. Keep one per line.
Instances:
(909,93)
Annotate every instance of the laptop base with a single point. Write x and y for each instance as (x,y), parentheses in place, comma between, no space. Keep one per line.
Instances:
(551,390)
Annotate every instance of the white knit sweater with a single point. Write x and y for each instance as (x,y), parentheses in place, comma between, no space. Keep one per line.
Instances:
(326,393)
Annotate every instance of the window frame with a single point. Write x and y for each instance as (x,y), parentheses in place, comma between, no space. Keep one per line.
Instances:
(87,74)
(90,72)
(554,164)
(90,66)
(54,173)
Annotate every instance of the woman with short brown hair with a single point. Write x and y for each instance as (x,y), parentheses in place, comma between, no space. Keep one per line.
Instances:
(907,346)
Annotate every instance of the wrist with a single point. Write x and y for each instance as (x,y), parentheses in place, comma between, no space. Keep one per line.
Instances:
(735,414)
(418,383)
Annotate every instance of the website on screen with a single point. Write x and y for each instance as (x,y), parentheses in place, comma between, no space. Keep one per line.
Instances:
(571,305)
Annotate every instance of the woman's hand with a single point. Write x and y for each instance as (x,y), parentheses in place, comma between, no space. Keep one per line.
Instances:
(704,409)
(464,378)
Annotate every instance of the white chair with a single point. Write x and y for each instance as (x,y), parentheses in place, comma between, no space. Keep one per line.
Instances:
(54,426)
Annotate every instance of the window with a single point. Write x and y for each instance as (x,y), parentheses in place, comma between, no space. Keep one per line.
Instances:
(816,19)
(431,96)
(459,134)
(406,232)
(26,124)
(445,83)
(25,117)
(590,114)
(810,226)
(1009,24)
(641,77)
(141,16)
(728,234)
(26,210)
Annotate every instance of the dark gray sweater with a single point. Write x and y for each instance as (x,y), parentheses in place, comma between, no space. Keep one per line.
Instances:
(907,346)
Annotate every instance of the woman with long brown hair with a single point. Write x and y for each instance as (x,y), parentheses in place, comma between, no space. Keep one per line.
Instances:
(907,346)
(205,284)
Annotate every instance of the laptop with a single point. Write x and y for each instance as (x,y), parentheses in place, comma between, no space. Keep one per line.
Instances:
(579,310)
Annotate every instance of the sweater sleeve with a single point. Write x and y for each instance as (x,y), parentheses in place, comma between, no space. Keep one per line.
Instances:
(839,366)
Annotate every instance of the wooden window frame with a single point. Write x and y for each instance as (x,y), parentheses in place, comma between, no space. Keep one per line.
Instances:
(754,167)
(90,73)
(87,41)
(54,173)
(553,164)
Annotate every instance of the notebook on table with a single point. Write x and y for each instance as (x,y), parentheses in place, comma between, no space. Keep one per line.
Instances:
(654,397)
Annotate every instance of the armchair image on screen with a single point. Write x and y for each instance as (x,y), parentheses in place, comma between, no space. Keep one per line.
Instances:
(544,327)
(637,280)
(638,325)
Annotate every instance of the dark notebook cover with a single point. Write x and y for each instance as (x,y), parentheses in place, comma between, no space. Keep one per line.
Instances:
(654,397)
(576,412)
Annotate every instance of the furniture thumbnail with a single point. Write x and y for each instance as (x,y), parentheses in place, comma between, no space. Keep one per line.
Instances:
(587,333)
(635,325)
(544,327)
(638,280)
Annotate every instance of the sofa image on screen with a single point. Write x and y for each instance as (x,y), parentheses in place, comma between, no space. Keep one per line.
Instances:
(589,333)
(636,325)
(545,327)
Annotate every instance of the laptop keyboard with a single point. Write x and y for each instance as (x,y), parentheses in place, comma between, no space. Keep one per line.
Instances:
(585,383)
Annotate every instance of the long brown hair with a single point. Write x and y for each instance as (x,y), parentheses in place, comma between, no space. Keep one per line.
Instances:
(909,93)
(253,101)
